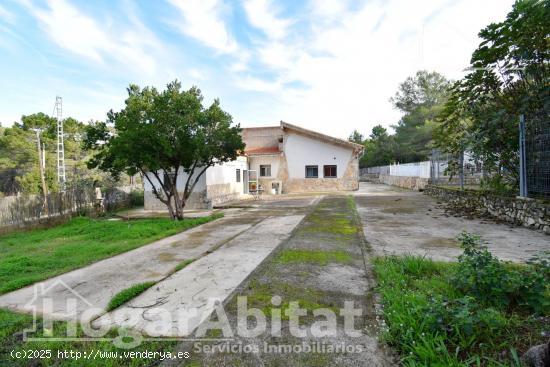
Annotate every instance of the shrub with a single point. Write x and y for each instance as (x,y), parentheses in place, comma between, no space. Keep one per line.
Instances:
(136,198)
(499,284)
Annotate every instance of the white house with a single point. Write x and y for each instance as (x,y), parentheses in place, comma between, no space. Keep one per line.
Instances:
(277,159)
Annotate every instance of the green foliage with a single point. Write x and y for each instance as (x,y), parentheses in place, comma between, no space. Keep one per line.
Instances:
(28,257)
(494,283)
(128,294)
(10,339)
(508,77)
(320,257)
(183,264)
(421,99)
(432,321)
(379,148)
(161,133)
(19,170)
(356,137)
(136,198)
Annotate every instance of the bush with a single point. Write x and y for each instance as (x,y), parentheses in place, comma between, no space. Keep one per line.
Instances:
(136,198)
(499,284)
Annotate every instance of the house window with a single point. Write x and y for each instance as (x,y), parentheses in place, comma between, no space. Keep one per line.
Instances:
(265,170)
(329,171)
(238,175)
(312,171)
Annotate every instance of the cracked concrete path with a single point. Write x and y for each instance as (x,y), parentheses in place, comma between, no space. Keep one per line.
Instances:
(167,309)
(94,286)
(399,221)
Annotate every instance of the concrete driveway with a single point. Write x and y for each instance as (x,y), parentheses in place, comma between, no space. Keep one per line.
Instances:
(227,249)
(398,221)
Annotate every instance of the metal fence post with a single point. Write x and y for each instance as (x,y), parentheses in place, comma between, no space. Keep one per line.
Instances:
(522,159)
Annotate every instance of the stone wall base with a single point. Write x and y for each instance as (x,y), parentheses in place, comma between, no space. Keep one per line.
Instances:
(529,213)
(197,200)
(411,183)
(320,184)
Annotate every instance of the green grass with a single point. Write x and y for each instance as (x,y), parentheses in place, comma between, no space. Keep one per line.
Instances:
(12,323)
(183,264)
(127,294)
(314,256)
(430,323)
(29,257)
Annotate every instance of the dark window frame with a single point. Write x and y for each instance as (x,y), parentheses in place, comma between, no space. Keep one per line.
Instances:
(330,167)
(265,166)
(238,175)
(316,167)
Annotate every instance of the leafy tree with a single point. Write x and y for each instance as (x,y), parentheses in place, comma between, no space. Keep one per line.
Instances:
(19,171)
(508,76)
(356,137)
(163,134)
(421,99)
(379,148)
(425,89)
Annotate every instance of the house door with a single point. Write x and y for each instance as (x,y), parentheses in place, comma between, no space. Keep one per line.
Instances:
(245,182)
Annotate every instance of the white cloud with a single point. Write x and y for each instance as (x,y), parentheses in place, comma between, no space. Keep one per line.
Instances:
(202,20)
(82,35)
(262,15)
(6,15)
(353,59)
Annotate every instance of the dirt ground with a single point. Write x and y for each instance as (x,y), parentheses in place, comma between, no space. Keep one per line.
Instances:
(398,221)
(321,265)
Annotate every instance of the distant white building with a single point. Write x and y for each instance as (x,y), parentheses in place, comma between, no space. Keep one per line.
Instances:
(277,159)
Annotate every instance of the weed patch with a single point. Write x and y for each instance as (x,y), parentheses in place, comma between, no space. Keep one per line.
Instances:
(314,256)
(183,264)
(474,312)
(127,294)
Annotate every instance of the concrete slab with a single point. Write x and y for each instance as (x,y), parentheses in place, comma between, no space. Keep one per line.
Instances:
(99,282)
(398,221)
(166,309)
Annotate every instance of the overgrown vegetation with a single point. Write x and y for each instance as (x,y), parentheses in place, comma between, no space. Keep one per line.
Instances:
(420,98)
(183,264)
(10,339)
(127,294)
(479,311)
(28,257)
(321,257)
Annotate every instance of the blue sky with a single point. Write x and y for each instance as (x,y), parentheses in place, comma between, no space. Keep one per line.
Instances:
(328,65)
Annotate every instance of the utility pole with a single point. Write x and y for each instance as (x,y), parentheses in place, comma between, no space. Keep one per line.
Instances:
(42,166)
(58,109)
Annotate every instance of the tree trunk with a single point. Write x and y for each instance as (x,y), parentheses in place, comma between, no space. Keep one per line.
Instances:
(179,205)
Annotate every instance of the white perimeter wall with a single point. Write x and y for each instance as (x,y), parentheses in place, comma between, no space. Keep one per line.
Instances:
(180,184)
(226,174)
(302,151)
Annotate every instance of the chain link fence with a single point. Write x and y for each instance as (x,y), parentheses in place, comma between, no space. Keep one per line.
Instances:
(537,155)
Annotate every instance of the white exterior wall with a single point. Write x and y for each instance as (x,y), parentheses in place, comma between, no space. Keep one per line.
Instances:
(301,151)
(180,183)
(225,173)
(257,160)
